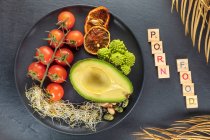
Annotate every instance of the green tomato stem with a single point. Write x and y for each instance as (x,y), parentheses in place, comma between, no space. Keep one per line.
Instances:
(53,56)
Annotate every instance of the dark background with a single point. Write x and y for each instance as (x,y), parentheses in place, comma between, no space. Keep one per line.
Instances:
(161,102)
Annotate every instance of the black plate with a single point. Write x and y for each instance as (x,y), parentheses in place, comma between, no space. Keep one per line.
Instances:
(33,40)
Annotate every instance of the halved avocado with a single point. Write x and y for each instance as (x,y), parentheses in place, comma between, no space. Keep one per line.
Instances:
(99,81)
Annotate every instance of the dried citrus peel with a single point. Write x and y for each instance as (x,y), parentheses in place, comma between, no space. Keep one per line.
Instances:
(97,17)
(97,37)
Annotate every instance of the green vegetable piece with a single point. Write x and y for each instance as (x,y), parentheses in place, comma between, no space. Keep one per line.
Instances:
(129,58)
(118,109)
(125,69)
(117,59)
(108,117)
(104,54)
(117,46)
(125,103)
(91,76)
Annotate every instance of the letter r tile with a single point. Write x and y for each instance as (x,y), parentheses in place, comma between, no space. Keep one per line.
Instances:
(160,59)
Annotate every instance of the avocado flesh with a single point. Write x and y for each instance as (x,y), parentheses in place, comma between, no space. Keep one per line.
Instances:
(99,81)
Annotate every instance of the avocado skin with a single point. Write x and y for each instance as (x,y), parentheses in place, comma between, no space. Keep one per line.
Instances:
(104,63)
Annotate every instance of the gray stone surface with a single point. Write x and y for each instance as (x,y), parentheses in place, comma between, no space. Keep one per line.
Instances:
(161,102)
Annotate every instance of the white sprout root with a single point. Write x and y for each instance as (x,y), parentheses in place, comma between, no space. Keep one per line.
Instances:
(75,115)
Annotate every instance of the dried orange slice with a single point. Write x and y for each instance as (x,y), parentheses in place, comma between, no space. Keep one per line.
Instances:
(97,37)
(97,17)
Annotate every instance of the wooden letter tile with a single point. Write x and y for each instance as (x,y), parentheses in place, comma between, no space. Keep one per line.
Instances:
(192,101)
(182,65)
(157,47)
(188,89)
(160,59)
(153,35)
(163,72)
(185,77)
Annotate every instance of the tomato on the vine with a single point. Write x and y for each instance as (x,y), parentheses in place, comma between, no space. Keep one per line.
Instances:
(57,74)
(56,38)
(66,20)
(64,57)
(44,54)
(36,71)
(55,91)
(74,38)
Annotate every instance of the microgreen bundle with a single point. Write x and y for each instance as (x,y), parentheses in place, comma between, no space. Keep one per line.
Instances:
(87,114)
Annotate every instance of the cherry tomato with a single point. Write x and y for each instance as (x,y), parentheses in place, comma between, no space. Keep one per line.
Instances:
(56,37)
(56,91)
(64,57)
(75,38)
(57,74)
(44,54)
(66,20)
(36,71)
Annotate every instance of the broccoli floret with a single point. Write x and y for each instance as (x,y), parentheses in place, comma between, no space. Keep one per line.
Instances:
(117,59)
(118,55)
(125,69)
(117,46)
(104,54)
(129,58)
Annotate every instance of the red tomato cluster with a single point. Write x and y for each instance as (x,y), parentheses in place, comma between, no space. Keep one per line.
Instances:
(56,53)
